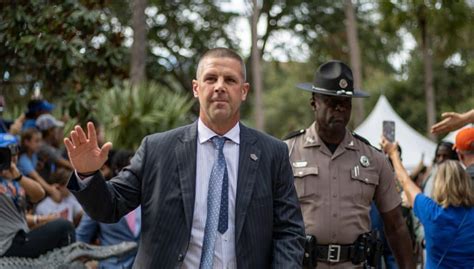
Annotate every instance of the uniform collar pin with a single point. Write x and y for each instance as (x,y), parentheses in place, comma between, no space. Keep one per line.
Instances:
(364,161)
(351,143)
(309,139)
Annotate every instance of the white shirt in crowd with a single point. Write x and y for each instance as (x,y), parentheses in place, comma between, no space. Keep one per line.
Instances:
(48,206)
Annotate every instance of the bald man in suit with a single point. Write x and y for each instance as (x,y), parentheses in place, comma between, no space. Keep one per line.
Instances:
(214,194)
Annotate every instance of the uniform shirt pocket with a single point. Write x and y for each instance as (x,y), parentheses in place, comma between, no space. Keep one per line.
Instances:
(305,179)
(366,181)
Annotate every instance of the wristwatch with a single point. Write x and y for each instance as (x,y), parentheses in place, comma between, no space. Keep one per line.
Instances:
(18,178)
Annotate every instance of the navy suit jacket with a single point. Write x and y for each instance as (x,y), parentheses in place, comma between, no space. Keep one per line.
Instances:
(162,176)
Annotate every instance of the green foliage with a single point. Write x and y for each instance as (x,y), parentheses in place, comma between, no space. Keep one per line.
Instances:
(449,22)
(321,27)
(179,33)
(65,48)
(129,114)
(449,25)
(74,48)
(287,108)
(454,92)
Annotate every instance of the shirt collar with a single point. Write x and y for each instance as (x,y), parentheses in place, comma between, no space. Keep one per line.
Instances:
(204,133)
(312,139)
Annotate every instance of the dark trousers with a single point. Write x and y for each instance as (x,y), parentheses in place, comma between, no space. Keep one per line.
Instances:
(54,234)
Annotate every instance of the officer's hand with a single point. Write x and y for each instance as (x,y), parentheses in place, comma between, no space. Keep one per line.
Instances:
(84,153)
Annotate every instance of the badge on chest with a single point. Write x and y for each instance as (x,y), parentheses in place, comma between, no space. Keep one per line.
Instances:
(364,161)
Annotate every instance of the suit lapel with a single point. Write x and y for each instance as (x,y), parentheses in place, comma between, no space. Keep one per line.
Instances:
(249,157)
(186,152)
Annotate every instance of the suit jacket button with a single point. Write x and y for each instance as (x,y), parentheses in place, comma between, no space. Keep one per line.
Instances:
(180,257)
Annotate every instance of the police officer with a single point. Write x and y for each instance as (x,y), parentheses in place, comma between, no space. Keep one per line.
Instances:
(338,174)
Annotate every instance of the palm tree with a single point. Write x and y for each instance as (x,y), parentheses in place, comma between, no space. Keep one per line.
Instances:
(130,114)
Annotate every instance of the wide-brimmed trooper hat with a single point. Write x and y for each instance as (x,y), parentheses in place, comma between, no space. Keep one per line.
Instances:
(333,78)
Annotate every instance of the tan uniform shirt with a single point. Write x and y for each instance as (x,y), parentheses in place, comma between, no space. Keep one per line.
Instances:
(335,190)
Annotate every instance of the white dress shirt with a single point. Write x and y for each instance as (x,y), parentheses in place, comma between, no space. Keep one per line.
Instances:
(224,252)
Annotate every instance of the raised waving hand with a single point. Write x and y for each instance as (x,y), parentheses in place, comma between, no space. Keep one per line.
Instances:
(84,152)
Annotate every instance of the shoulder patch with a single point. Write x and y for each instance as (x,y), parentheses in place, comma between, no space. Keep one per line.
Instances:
(365,141)
(294,134)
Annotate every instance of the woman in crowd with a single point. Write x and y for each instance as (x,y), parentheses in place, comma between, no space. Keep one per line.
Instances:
(444,151)
(448,217)
(16,238)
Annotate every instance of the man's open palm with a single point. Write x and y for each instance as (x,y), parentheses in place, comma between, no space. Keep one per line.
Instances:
(83,150)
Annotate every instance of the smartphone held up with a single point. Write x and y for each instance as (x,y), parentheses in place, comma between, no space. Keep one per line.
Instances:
(388,130)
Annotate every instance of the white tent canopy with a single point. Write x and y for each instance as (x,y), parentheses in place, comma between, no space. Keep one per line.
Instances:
(414,145)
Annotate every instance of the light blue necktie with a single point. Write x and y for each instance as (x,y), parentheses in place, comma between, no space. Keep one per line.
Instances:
(217,204)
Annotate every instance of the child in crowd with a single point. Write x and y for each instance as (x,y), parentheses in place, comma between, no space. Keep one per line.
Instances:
(68,208)
(28,161)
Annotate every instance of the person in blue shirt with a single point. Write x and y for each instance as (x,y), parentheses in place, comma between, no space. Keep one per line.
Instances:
(126,229)
(17,239)
(448,217)
(28,161)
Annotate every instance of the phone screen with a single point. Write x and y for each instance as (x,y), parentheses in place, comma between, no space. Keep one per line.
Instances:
(388,130)
(5,158)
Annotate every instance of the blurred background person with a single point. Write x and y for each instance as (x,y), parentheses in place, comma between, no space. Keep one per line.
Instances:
(444,151)
(16,238)
(387,260)
(36,108)
(4,124)
(465,149)
(50,152)
(28,161)
(8,126)
(127,229)
(68,208)
(448,217)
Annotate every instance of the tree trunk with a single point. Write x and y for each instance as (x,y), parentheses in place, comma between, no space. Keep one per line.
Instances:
(354,52)
(256,70)
(138,54)
(428,74)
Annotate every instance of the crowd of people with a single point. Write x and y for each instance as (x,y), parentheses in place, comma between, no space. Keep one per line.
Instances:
(217,194)
(37,211)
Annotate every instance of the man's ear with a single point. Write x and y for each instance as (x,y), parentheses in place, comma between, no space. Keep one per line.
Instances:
(313,103)
(195,88)
(245,90)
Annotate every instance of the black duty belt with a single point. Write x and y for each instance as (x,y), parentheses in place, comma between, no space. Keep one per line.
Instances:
(334,253)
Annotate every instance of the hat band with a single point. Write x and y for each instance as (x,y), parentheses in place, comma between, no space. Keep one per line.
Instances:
(339,92)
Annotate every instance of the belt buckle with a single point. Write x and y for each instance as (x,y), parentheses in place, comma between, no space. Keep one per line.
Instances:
(334,253)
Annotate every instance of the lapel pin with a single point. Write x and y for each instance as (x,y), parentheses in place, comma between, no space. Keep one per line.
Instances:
(253,157)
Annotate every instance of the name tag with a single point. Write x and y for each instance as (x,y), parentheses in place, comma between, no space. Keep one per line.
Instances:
(300,164)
